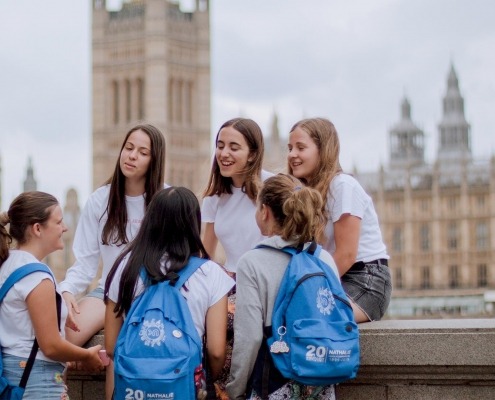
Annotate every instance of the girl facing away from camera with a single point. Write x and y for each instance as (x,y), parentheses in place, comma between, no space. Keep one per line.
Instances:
(168,237)
(352,234)
(290,215)
(110,220)
(229,204)
(29,309)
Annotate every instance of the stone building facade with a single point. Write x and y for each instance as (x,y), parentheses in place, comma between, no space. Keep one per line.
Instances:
(151,62)
(438,220)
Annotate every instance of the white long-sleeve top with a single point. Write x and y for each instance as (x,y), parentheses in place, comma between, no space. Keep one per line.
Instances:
(88,247)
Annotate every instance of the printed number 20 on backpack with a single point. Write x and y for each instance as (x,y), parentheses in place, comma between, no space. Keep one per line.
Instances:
(158,348)
(315,340)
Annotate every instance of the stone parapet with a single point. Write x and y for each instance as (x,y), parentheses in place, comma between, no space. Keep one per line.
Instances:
(425,359)
(400,359)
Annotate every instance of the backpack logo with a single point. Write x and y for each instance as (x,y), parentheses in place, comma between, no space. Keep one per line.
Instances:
(325,301)
(152,333)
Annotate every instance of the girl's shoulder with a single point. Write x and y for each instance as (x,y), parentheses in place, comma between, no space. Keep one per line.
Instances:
(99,198)
(343,179)
(19,258)
(265,175)
(100,194)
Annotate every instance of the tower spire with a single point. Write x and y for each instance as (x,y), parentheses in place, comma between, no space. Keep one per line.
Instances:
(455,142)
(406,140)
(30,183)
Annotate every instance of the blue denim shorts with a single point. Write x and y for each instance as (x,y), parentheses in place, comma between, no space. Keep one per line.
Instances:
(97,292)
(369,286)
(45,381)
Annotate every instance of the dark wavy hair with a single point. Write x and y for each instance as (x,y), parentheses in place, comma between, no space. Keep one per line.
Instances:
(170,232)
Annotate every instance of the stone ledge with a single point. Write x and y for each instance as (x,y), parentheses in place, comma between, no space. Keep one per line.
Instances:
(450,359)
(425,359)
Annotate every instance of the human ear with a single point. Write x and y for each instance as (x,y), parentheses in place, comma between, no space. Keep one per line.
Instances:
(266,212)
(36,229)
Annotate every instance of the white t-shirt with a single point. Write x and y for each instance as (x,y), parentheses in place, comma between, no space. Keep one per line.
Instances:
(88,247)
(16,329)
(234,221)
(204,289)
(346,196)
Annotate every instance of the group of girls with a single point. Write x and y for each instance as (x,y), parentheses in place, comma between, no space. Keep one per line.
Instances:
(136,219)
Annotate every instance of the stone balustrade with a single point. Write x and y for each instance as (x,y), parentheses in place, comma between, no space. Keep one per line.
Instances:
(446,359)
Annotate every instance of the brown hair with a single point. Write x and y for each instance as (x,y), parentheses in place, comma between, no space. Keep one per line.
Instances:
(297,208)
(326,138)
(27,209)
(114,230)
(218,184)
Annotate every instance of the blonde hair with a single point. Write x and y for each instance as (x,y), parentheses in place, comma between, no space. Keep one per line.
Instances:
(297,209)
(326,138)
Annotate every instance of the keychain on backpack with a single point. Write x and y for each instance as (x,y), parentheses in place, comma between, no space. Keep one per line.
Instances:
(280,346)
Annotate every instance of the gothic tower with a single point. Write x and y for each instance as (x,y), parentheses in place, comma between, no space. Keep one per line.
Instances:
(455,143)
(406,140)
(275,149)
(151,62)
(30,183)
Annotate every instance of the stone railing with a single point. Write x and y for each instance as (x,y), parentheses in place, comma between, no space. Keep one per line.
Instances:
(400,359)
(425,359)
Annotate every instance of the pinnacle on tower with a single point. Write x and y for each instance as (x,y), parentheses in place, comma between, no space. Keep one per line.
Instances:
(30,183)
(454,131)
(406,140)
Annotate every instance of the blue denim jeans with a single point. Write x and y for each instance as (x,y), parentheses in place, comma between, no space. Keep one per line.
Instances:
(98,293)
(45,381)
(369,285)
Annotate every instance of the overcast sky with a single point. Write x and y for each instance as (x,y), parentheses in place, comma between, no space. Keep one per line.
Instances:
(350,61)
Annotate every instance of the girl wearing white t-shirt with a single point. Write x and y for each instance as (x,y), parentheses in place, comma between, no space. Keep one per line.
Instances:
(169,235)
(229,202)
(352,233)
(29,309)
(111,218)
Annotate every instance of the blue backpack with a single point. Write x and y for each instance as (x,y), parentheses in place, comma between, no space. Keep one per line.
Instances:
(314,338)
(158,348)
(9,391)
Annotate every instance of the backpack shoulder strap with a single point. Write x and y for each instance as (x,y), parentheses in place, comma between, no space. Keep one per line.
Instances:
(190,268)
(182,276)
(16,276)
(313,249)
(20,273)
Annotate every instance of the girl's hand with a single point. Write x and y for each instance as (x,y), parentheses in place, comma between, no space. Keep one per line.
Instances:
(93,362)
